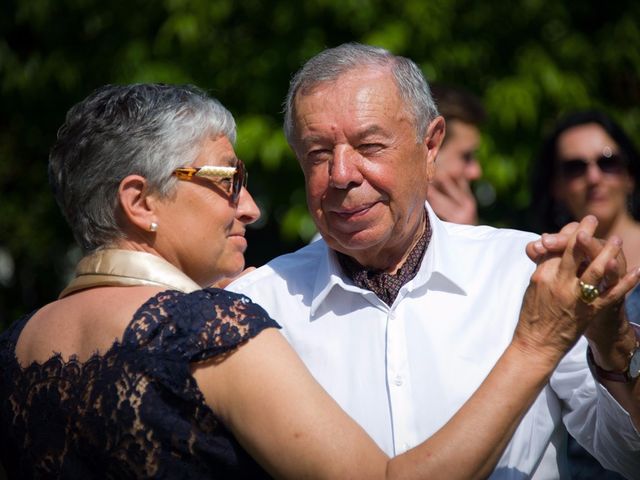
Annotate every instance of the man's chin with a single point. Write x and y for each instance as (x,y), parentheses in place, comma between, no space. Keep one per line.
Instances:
(350,243)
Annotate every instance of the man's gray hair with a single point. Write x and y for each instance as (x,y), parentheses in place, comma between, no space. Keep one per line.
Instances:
(120,130)
(328,65)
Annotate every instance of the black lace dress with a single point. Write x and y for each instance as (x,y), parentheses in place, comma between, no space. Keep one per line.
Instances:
(136,411)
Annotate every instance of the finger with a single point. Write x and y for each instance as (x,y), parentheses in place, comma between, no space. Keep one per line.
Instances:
(615,267)
(463,185)
(555,242)
(440,202)
(436,189)
(618,291)
(569,229)
(535,250)
(546,244)
(590,247)
(447,186)
(603,270)
(572,257)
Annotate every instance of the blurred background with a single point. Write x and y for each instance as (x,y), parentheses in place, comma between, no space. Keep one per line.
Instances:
(529,61)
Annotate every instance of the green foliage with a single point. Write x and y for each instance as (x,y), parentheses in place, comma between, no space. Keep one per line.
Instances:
(529,61)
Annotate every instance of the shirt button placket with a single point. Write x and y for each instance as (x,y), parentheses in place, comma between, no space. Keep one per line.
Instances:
(396,368)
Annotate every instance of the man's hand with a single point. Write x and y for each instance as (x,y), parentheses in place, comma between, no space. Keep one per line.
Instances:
(452,199)
(608,331)
(553,314)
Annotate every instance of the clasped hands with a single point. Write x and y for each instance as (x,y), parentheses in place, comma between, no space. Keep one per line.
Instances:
(578,288)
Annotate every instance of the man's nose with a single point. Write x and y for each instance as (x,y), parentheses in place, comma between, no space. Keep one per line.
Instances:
(344,167)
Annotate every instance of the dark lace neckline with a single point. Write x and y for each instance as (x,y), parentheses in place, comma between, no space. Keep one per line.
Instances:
(57,362)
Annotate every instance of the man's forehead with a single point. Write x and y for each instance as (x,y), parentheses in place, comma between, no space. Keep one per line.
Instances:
(356,132)
(357,97)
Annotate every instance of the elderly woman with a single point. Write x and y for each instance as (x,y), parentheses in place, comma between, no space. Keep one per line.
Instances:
(140,371)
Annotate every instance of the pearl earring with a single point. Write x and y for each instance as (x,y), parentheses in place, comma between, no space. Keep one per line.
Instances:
(153,227)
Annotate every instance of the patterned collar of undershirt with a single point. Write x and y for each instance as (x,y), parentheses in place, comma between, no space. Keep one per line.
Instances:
(387,285)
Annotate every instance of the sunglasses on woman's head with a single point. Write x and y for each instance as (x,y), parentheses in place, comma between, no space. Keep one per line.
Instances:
(608,163)
(232,178)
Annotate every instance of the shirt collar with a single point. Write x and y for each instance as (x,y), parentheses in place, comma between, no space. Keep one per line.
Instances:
(445,258)
(443,267)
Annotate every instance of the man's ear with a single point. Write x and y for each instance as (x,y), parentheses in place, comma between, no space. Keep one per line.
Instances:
(433,141)
(138,207)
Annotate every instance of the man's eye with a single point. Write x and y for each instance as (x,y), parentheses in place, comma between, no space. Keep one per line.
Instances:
(319,155)
(370,148)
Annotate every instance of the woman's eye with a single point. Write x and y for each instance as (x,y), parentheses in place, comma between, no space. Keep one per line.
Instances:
(225,182)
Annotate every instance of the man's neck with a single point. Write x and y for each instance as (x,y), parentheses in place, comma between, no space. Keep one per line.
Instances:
(392,259)
(387,285)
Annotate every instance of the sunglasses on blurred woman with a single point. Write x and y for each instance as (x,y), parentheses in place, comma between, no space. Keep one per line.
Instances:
(609,163)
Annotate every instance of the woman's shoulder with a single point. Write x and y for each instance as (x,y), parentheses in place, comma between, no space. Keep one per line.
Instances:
(197,325)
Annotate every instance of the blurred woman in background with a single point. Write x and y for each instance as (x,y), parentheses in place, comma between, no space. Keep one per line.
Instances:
(588,165)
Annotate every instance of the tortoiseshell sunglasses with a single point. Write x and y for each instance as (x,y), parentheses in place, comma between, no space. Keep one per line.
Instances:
(218,175)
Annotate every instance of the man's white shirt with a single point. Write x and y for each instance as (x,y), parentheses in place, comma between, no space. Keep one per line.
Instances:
(403,371)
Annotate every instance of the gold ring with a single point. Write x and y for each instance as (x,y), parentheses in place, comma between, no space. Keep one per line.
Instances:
(588,292)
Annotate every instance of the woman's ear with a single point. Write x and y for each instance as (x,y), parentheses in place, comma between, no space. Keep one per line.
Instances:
(138,207)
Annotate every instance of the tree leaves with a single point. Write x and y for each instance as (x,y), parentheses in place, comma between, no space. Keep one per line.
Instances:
(529,61)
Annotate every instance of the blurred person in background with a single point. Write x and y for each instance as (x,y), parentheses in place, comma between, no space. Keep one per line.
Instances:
(588,165)
(450,193)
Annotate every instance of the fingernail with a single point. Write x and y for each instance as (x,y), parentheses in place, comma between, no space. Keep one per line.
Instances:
(549,239)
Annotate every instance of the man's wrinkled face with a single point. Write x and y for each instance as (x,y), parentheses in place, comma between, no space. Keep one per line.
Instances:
(366,174)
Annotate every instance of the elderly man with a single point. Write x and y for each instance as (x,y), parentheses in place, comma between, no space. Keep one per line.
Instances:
(399,315)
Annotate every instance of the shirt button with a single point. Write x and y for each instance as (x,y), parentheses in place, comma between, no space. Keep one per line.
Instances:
(398,380)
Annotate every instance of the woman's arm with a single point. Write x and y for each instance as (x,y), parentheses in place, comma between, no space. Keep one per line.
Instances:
(284,418)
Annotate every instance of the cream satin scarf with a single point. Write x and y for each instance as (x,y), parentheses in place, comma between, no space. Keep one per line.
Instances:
(112,267)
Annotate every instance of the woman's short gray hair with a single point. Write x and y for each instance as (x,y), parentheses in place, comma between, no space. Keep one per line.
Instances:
(328,65)
(120,130)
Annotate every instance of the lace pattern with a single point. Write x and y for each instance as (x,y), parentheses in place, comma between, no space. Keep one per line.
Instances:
(136,411)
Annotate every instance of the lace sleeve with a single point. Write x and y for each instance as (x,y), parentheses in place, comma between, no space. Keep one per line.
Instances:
(135,411)
(198,325)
